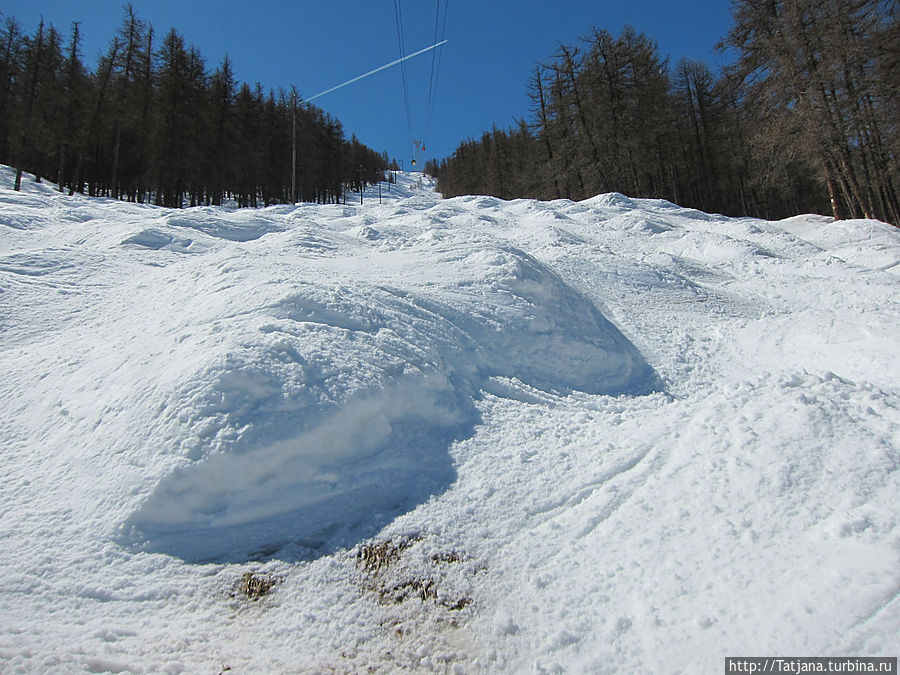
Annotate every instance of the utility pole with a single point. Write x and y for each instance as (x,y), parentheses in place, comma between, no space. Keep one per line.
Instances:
(293,147)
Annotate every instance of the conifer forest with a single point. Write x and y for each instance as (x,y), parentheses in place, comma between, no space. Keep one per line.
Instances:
(152,124)
(804,119)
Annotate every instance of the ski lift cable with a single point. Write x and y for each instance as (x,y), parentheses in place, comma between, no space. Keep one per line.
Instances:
(435,71)
(437,16)
(398,16)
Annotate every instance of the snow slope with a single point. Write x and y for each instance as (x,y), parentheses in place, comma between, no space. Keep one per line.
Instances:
(606,436)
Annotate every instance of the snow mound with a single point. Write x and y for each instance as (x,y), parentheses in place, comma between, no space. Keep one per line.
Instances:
(337,408)
(863,243)
(237,226)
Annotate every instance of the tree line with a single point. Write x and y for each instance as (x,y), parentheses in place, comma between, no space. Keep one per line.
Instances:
(150,123)
(804,120)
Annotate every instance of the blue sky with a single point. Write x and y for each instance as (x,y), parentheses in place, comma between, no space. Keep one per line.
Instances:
(483,72)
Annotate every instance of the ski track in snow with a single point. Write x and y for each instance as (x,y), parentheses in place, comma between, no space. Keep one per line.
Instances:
(606,436)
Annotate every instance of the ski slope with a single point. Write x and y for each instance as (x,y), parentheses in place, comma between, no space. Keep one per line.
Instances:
(606,436)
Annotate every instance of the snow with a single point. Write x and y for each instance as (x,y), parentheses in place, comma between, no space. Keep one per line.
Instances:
(606,436)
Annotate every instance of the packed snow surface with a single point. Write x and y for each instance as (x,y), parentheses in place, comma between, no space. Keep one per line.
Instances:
(460,435)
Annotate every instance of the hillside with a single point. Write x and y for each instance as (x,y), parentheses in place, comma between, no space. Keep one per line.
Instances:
(612,435)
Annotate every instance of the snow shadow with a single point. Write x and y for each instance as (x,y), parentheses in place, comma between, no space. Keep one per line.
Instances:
(306,495)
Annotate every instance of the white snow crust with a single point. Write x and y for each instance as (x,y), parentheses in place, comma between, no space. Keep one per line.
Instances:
(606,436)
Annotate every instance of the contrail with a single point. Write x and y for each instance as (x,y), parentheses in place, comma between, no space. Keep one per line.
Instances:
(380,68)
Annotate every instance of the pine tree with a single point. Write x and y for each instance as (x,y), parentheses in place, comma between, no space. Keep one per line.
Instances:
(222,130)
(10,76)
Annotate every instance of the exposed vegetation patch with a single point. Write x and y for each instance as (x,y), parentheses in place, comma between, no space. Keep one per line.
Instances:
(402,569)
(377,556)
(446,557)
(254,586)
